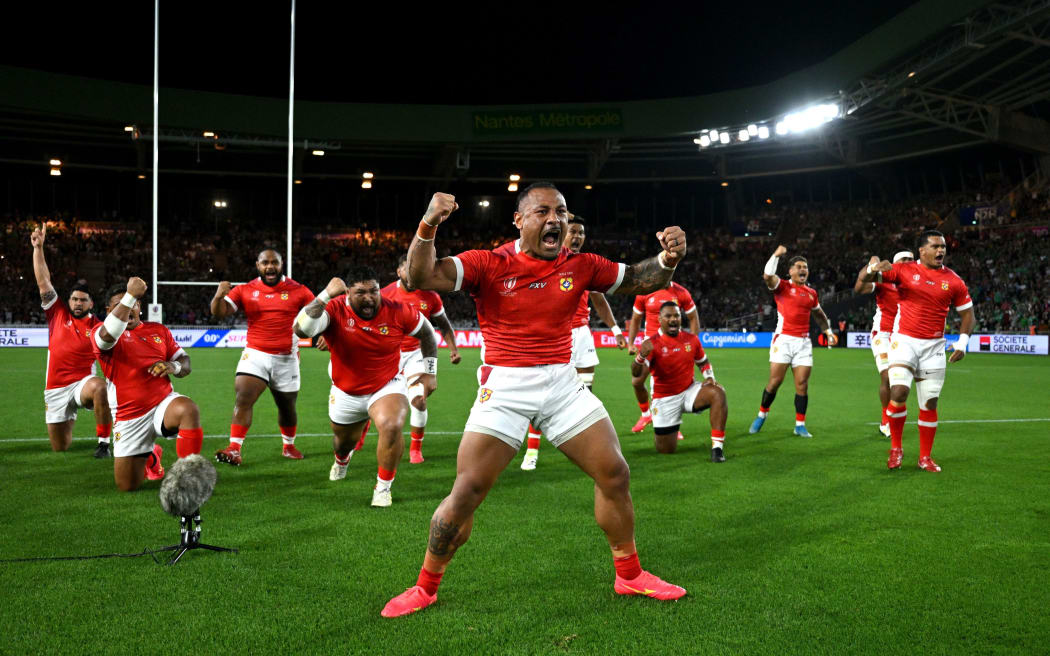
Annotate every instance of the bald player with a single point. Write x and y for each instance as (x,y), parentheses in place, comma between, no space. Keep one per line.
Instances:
(271,356)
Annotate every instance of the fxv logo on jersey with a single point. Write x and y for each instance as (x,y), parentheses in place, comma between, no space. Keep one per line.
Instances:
(537,285)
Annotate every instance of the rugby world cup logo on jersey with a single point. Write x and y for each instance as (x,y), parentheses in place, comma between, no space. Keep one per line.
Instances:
(509,283)
(255,294)
(350,323)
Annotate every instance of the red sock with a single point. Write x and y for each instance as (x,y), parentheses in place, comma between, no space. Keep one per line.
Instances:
(288,434)
(885,416)
(342,461)
(533,443)
(927,431)
(898,415)
(764,409)
(644,407)
(237,433)
(628,567)
(533,431)
(429,581)
(387,474)
(798,417)
(417,439)
(189,441)
(103,430)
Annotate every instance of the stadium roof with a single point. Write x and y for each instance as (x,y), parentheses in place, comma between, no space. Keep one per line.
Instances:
(940,75)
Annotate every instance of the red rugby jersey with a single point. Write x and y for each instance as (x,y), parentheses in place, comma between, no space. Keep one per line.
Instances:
(925,296)
(271,313)
(583,312)
(886,301)
(69,353)
(127,366)
(672,360)
(428,304)
(366,354)
(794,303)
(649,305)
(526,305)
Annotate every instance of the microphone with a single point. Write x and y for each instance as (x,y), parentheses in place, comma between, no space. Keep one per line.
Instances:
(187,486)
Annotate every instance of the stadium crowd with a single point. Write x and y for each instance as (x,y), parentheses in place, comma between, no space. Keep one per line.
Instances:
(1005,269)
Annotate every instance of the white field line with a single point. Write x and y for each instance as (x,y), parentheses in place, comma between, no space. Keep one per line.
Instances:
(224,436)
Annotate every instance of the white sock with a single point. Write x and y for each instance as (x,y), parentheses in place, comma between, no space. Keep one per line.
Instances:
(532,453)
(762,415)
(237,440)
(103,440)
(647,413)
(383,486)
(799,423)
(716,443)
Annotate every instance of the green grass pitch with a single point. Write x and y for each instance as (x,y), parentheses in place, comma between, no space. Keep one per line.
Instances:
(791,546)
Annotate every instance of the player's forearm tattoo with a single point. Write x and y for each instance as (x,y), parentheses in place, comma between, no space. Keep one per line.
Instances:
(428,344)
(442,535)
(315,309)
(645,277)
(48,296)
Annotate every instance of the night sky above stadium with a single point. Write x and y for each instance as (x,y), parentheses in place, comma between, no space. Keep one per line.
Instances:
(384,52)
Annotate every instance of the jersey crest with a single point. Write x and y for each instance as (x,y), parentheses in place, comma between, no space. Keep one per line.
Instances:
(944,286)
(284,296)
(383,330)
(485,395)
(565,284)
(422,305)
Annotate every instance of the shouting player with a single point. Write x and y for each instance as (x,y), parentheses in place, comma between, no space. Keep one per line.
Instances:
(791,346)
(927,290)
(648,305)
(883,326)
(364,333)
(527,376)
(71,382)
(670,355)
(139,356)
(429,305)
(271,356)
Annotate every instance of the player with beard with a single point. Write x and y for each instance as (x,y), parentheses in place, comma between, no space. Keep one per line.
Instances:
(791,345)
(271,356)
(429,305)
(883,325)
(670,355)
(139,356)
(70,382)
(584,355)
(525,305)
(927,290)
(364,333)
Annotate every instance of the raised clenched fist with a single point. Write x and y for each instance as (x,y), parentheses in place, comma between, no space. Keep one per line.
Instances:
(136,287)
(224,288)
(441,206)
(38,236)
(672,240)
(780,250)
(335,287)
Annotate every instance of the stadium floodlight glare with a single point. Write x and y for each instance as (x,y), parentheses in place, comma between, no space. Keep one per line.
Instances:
(713,134)
(752,130)
(588,187)
(743,135)
(368,175)
(514,177)
(912,74)
(484,203)
(298,182)
(208,134)
(55,162)
(56,171)
(705,141)
(219,203)
(811,117)
(697,141)
(141,176)
(723,137)
(725,184)
(129,128)
(763,132)
(366,184)
(512,186)
(317,153)
(781,128)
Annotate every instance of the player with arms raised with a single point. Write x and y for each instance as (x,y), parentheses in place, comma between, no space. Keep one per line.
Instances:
(71,382)
(927,290)
(139,356)
(791,346)
(648,305)
(271,356)
(670,355)
(883,326)
(364,333)
(430,306)
(528,376)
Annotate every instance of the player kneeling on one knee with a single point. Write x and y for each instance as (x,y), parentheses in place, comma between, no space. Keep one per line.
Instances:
(669,356)
(139,357)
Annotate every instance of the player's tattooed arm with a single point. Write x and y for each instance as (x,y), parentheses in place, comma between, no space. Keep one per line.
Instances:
(444,326)
(312,320)
(443,537)
(862,286)
(40,270)
(645,277)
(425,270)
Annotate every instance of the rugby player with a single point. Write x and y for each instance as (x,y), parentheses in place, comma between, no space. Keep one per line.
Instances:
(70,382)
(883,325)
(791,345)
(271,356)
(670,355)
(528,375)
(430,306)
(364,333)
(648,305)
(139,357)
(927,290)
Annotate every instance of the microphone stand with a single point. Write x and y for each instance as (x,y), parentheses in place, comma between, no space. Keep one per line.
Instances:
(190,538)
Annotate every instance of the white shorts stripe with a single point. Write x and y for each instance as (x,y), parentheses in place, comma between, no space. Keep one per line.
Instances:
(931,424)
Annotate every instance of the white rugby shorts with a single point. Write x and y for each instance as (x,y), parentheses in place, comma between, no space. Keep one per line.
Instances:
(922,355)
(552,397)
(135,437)
(788,349)
(584,354)
(880,348)
(348,409)
(281,372)
(61,403)
(667,410)
(411,364)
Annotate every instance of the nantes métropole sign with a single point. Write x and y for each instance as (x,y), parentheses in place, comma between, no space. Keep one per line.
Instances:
(538,121)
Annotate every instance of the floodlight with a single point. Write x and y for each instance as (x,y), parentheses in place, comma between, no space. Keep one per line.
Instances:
(713,134)
(705,141)
(512,186)
(588,187)
(725,184)
(55,162)
(129,128)
(743,135)
(368,175)
(514,177)
(208,134)
(318,153)
(56,171)
(763,132)
(781,128)
(366,184)
(752,130)
(723,137)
